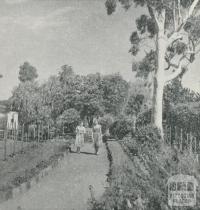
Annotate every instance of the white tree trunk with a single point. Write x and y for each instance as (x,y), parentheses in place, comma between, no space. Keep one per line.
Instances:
(157,108)
(159,82)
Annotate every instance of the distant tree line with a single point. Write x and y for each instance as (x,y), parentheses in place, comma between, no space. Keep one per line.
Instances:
(67,97)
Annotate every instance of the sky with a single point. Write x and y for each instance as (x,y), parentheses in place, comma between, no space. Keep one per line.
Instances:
(51,33)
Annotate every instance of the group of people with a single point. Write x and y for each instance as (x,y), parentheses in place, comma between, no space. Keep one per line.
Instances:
(96,136)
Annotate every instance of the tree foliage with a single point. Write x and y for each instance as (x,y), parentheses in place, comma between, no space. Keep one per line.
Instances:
(27,72)
(175,93)
(25,99)
(66,97)
(69,118)
(134,105)
(115,90)
(121,127)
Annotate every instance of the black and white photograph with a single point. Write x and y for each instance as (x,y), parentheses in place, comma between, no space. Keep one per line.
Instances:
(99,104)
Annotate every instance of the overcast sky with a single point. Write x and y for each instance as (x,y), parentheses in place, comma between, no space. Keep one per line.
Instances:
(51,33)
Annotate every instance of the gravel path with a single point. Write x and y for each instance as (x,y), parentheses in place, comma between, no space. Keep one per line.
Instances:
(67,187)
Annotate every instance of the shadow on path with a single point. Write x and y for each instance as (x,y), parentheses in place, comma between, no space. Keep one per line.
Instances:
(86,153)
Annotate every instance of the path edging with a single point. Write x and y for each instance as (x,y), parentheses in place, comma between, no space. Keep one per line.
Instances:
(110,159)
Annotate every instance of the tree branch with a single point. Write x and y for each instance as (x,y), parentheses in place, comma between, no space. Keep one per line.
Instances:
(179,12)
(190,12)
(175,74)
(179,63)
(174,15)
(192,7)
(182,24)
(178,71)
(174,38)
(152,14)
(168,62)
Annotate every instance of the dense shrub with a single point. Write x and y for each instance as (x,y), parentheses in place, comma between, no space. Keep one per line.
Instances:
(24,176)
(42,165)
(17,181)
(121,127)
(148,137)
(106,121)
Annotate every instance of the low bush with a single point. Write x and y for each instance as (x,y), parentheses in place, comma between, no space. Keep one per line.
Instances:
(24,177)
(18,181)
(42,165)
(121,127)
(105,137)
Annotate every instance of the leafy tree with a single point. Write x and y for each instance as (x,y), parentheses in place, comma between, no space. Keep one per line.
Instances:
(174,25)
(135,104)
(25,99)
(52,96)
(115,92)
(175,93)
(27,72)
(69,118)
(88,98)
(44,114)
(81,93)
(71,86)
(139,97)
(66,74)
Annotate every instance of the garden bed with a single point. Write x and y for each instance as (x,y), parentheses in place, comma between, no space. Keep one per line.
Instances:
(24,166)
(139,169)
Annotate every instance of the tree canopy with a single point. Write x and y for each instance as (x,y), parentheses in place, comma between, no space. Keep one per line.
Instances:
(67,97)
(27,72)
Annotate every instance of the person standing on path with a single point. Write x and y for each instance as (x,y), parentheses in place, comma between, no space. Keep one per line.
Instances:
(97,136)
(79,142)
